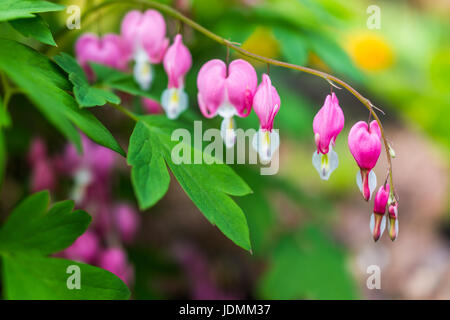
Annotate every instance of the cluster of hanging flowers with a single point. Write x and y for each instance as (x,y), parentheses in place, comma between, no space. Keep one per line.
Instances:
(233,90)
(364,142)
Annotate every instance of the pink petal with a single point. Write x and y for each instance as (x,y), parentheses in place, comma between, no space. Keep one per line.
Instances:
(266,103)
(241,86)
(177,62)
(365,145)
(211,86)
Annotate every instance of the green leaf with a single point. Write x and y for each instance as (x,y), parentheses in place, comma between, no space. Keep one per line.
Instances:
(46,85)
(119,81)
(5,119)
(36,28)
(14,9)
(294,46)
(85,94)
(208,186)
(29,277)
(334,56)
(2,157)
(307,266)
(33,229)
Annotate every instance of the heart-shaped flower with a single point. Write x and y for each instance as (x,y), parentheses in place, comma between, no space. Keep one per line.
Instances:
(226,92)
(364,142)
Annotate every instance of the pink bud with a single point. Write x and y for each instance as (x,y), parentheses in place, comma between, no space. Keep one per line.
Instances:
(177,62)
(377,219)
(114,260)
(365,145)
(108,50)
(393,221)
(145,30)
(266,103)
(328,123)
(126,222)
(226,93)
(84,249)
(151,106)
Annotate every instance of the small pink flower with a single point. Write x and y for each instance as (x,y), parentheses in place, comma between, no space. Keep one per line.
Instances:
(393,220)
(227,92)
(126,221)
(327,125)
(115,260)
(266,104)
(108,50)
(378,219)
(177,63)
(145,35)
(364,143)
(84,249)
(151,106)
(43,175)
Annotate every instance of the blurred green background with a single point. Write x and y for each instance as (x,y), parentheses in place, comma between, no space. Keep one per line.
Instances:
(310,238)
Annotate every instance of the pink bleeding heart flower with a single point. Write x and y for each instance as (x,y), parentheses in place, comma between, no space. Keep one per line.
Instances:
(145,34)
(378,219)
(126,221)
(84,249)
(108,50)
(226,92)
(151,106)
(177,63)
(266,104)
(90,171)
(43,175)
(393,219)
(327,125)
(115,260)
(364,142)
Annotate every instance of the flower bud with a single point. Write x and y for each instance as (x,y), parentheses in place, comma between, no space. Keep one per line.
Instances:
(393,221)
(114,260)
(126,221)
(378,219)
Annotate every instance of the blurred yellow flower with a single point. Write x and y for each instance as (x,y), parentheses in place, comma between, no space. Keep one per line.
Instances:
(370,51)
(262,42)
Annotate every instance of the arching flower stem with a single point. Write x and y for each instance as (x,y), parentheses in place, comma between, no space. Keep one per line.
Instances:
(332,80)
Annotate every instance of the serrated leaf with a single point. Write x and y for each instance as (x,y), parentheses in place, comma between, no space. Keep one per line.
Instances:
(46,86)
(28,277)
(14,9)
(33,229)
(36,28)
(85,94)
(299,264)
(208,186)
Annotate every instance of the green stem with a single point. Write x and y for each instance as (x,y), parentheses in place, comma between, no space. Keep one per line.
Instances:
(328,77)
(125,111)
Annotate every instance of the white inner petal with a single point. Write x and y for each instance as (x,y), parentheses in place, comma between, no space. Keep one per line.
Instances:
(325,164)
(266,143)
(372,182)
(383,225)
(226,110)
(174,101)
(143,74)
(227,132)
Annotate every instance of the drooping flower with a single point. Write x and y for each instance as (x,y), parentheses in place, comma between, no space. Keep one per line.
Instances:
(115,260)
(90,171)
(177,63)
(43,175)
(84,249)
(126,222)
(151,106)
(266,104)
(378,218)
(226,93)
(327,125)
(393,219)
(145,36)
(364,142)
(108,50)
